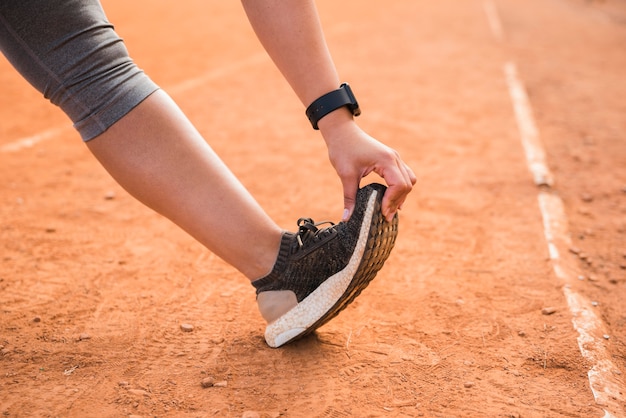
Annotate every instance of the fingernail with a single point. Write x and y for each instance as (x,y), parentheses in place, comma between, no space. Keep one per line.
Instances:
(346,214)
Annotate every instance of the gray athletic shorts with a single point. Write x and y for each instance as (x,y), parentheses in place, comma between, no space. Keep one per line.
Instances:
(69,51)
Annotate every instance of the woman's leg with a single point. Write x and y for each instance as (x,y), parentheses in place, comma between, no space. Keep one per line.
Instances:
(156,154)
(69,51)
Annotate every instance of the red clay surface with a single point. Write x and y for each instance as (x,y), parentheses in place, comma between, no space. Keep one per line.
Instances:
(94,287)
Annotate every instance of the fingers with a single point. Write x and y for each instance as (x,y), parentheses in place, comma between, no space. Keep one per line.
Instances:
(350,187)
(400,180)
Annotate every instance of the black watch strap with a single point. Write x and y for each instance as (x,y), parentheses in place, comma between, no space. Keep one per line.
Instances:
(321,107)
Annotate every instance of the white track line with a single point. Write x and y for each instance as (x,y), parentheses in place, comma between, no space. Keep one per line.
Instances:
(32,140)
(179,88)
(605,385)
(494,19)
(217,73)
(535,155)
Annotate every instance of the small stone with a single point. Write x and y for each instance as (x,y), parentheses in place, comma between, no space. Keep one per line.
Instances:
(109,195)
(594,303)
(586,197)
(122,384)
(217,340)
(37,319)
(221,384)
(50,230)
(548,311)
(251,414)
(138,392)
(606,336)
(207,382)
(84,337)
(521,333)
(617,372)
(574,250)
(468,385)
(186,327)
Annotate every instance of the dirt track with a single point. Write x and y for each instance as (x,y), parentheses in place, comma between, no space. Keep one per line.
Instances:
(94,286)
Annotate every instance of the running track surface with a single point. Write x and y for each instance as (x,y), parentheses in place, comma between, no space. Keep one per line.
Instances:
(511,114)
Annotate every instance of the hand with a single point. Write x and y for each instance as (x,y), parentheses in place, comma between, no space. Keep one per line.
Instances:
(354,154)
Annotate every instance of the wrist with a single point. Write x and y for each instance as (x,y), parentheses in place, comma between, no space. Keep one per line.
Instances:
(337,125)
(331,103)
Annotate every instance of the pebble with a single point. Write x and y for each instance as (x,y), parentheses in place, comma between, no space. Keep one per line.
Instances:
(37,319)
(109,196)
(186,327)
(548,311)
(207,382)
(138,392)
(251,414)
(586,197)
(84,337)
(122,383)
(468,385)
(594,303)
(583,256)
(221,384)
(606,336)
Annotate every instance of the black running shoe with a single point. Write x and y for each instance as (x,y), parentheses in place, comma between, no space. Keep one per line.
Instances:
(327,268)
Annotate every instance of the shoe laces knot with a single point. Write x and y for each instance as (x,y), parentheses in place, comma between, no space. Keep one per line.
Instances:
(310,233)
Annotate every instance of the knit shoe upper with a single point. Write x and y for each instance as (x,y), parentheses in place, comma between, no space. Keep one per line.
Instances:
(327,268)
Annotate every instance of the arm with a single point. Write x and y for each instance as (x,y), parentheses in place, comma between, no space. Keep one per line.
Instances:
(291,34)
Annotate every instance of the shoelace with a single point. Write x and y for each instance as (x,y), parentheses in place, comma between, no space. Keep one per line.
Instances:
(309,233)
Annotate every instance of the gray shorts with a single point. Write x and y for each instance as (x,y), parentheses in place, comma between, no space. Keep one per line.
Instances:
(69,51)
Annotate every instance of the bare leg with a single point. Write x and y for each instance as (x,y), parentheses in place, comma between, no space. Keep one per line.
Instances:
(156,154)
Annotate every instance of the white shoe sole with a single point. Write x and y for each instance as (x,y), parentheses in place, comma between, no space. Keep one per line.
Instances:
(321,301)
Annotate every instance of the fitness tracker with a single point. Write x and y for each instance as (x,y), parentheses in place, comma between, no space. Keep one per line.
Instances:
(322,106)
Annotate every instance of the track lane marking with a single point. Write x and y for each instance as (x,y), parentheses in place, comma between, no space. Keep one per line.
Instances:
(605,386)
(179,88)
(494,19)
(535,155)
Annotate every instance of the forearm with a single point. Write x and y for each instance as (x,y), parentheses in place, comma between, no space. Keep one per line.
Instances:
(291,33)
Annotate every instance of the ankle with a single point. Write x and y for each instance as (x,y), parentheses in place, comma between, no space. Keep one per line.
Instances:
(264,260)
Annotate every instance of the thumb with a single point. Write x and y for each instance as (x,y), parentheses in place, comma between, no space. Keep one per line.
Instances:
(350,187)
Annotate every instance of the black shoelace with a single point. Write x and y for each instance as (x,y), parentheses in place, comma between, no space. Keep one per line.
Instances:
(310,234)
